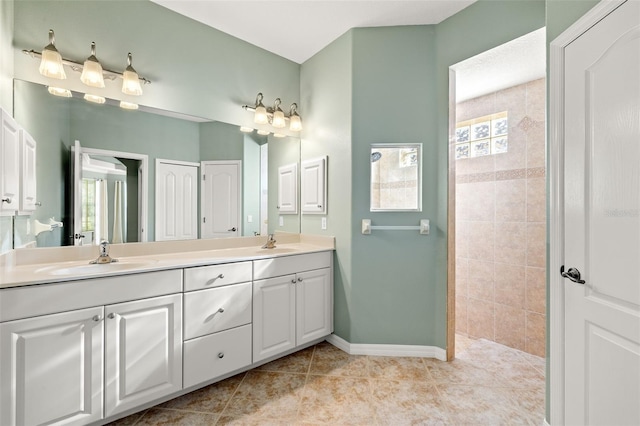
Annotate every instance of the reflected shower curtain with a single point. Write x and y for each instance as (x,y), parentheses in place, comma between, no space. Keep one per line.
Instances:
(117,213)
(102,211)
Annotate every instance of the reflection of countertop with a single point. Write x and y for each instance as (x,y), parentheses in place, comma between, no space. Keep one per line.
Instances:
(49,265)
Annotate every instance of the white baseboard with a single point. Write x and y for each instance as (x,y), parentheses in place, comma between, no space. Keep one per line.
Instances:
(388,350)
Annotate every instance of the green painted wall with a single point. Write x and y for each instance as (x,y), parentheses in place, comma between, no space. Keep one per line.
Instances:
(195,69)
(326,84)
(251,187)
(220,141)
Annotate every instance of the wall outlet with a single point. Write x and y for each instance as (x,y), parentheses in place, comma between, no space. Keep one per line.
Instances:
(323,223)
(249,218)
(281,220)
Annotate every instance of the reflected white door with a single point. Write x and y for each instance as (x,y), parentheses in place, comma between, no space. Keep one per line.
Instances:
(602,221)
(176,200)
(76,172)
(220,200)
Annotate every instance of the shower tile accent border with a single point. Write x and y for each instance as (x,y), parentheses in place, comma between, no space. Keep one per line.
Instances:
(501,175)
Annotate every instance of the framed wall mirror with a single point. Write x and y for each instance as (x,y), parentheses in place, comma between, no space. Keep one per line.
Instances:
(396,177)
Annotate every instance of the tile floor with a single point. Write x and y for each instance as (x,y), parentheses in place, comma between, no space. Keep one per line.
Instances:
(487,384)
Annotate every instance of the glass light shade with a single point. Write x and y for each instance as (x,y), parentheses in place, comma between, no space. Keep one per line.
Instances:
(58,91)
(278,119)
(246,129)
(263,132)
(94,98)
(131,83)
(260,116)
(51,63)
(128,105)
(92,74)
(295,123)
(278,135)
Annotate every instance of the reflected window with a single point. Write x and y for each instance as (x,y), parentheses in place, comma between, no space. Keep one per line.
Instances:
(396,177)
(88,205)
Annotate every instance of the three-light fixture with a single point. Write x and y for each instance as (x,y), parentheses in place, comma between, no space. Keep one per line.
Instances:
(274,116)
(93,74)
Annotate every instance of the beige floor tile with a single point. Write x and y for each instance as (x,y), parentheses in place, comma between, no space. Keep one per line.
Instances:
(267,395)
(396,368)
(252,420)
(459,372)
(337,400)
(211,399)
(523,376)
(129,420)
(331,361)
(402,402)
(160,417)
(297,362)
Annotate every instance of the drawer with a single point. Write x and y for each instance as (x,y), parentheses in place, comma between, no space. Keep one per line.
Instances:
(42,299)
(202,309)
(285,265)
(212,356)
(216,275)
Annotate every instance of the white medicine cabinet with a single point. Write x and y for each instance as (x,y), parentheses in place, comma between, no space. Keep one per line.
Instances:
(314,186)
(288,189)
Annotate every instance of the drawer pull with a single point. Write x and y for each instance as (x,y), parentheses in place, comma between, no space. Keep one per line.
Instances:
(221,310)
(221,276)
(221,355)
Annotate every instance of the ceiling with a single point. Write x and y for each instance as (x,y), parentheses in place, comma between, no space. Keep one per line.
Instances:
(298,29)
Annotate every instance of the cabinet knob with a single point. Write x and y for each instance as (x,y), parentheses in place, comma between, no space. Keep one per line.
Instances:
(221,310)
(96,318)
(221,355)
(111,315)
(319,206)
(299,279)
(293,281)
(6,200)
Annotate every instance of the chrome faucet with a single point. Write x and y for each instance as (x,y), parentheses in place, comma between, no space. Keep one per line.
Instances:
(103,254)
(271,243)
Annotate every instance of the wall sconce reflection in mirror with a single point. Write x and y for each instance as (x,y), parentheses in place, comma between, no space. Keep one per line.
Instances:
(274,116)
(93,74)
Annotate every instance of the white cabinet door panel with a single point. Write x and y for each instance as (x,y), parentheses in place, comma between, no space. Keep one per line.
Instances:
(314,307)
(288,189)
(273,316)
(314,186)
(143,342)
(51,369)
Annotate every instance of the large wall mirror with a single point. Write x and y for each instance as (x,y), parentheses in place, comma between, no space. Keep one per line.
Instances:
(396,176)
(56,123)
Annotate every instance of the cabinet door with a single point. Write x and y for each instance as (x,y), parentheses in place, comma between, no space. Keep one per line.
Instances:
(51,369)
(9,165)
(314,301)
(274,311)
(314,188)
(27,172)
(143,351)
(288,189)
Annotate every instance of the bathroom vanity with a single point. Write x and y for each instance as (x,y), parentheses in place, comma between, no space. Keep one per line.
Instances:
(87,346)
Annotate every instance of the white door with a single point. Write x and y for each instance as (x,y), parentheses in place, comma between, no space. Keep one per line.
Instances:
(602,222)
(274,316)
(288,189)
(176,200)
(143,355)
(314,310)
(220,199)
(27,172)
(9,165)
(51,369)
(313,198)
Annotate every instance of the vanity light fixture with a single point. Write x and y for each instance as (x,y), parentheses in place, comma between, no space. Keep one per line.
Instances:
(263,132)
(92,70)
(274,115)
(128,105)
(278,135)
(245,129)
(94,98)
(58,91)
(130,80)
(51,62)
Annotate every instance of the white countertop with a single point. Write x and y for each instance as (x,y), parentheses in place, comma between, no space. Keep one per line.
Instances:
(39,266)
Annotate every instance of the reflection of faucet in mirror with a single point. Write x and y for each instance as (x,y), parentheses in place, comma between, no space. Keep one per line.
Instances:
(103,256)
(271,243)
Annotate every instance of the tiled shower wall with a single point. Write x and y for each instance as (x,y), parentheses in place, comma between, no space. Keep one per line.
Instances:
(501,225)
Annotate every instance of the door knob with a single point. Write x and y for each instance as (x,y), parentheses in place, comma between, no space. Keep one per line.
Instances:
(572,273)
(232,229)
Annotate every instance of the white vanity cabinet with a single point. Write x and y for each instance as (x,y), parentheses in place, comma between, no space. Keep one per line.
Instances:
(217,321)
(143,351)
(292,302)
(68,348)
(51,369)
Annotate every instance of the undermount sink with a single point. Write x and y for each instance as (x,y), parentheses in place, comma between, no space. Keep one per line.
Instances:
(98,268)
